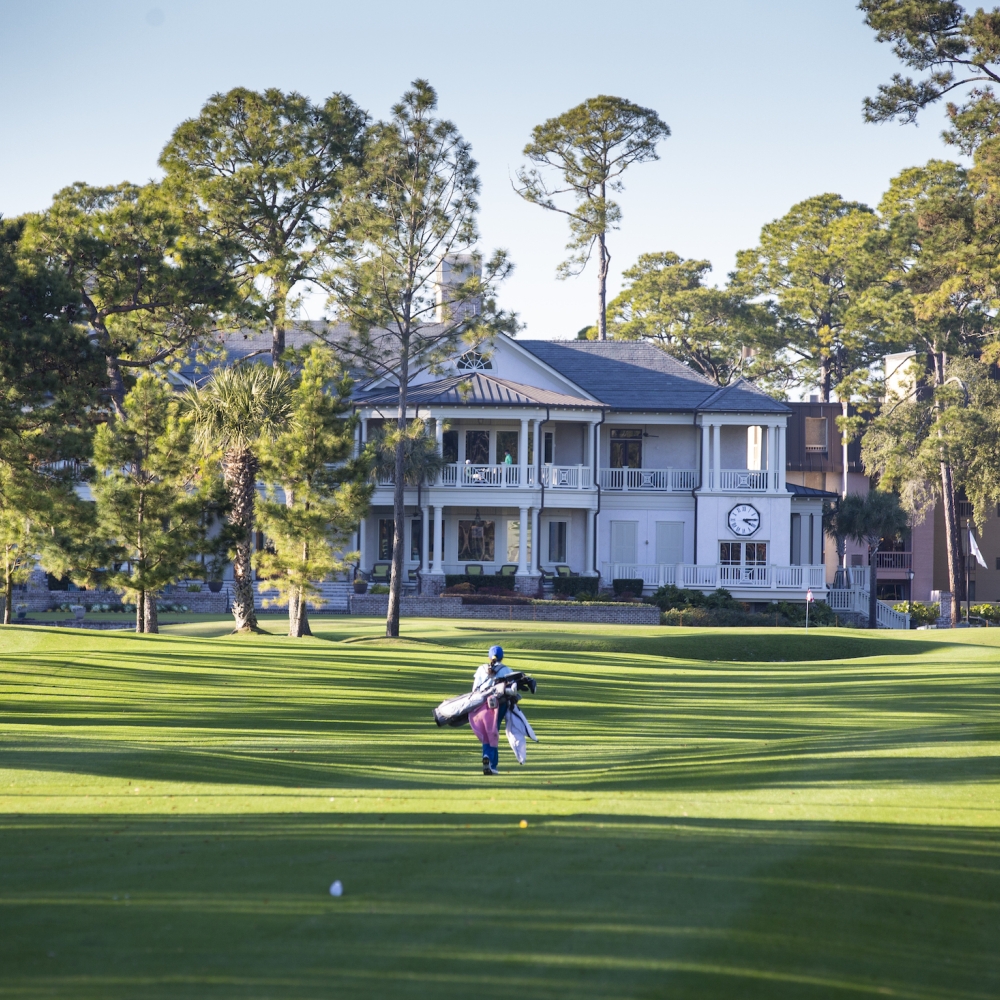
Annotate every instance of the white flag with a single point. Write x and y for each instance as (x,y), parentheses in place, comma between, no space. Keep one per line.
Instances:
(809,596)
(974,550)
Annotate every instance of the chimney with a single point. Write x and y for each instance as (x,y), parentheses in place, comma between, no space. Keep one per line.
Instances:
(451,271)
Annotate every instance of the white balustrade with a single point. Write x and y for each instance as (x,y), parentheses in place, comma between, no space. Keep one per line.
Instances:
(750,480)
(700,577)
(658,480)
(651,574)
(893,560)
(749,576)
(567,477)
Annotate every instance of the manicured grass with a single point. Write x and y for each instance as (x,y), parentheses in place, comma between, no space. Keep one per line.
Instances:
(710,814)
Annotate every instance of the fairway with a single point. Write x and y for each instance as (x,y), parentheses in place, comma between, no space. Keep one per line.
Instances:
(710,813)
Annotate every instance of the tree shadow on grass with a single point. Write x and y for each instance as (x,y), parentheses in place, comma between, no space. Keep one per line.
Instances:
(589,905)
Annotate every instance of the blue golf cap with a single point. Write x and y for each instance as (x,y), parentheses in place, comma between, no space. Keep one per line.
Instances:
(495,653)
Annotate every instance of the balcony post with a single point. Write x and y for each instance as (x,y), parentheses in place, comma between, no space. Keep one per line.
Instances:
(522,454)
(772,467)
(438,540)
(439,440)
(589,562)
(705,477)
(361,544)
(716,457)
(522,543)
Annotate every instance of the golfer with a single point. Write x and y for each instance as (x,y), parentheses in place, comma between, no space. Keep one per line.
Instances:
(483,723)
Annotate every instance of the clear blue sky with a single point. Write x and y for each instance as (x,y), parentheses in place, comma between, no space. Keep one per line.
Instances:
(763,97)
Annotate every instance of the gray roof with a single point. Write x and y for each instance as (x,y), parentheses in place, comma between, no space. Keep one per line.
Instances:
(637,376)
(808,491)
(474,390)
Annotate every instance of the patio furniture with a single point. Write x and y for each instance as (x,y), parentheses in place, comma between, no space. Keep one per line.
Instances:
(473,569)
(380,572)
(564,571)
(508,569)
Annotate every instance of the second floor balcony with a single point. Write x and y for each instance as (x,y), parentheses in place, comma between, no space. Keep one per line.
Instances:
(506,476)
(649,480)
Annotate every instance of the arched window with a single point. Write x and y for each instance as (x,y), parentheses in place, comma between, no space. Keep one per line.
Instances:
(473,361)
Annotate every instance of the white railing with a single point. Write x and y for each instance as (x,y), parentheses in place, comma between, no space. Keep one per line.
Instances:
(855,599)
(651,574)
(751,480)
(893,560)
(567,477)
(659,480)
(700,577)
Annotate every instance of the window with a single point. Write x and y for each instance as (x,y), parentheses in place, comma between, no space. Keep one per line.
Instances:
(449,446)
(417,539)
(549,448)
(796,554)
(816,435)
(755,447)
(624,541)
(385,532)
(557,541)
(670,542)
(473,361)
(963,508)
(756,553)
(731,553)
(476,541)
(743,553)
(514,541)
(857,559)
(477,447)
(507,444)
(626,449)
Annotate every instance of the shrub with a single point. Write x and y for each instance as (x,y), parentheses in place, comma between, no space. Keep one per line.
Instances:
(670,597)
(570,586)
(459,589)
(991,612)
(924,614)
(378,588)
(492,581)
(795,614)
(194,588)
(626,586)
(586,595)
(503,598)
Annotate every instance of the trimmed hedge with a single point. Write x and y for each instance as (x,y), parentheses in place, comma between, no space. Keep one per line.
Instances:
(492,581)
(633,587)
(570,586)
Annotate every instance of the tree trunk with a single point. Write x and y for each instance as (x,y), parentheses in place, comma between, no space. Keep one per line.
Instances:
(953,541)
(140,611)
(603,265)
(872,585)
(8,590)
(399,499)
(298,618)
(278,325)
(240,473)
(151,617)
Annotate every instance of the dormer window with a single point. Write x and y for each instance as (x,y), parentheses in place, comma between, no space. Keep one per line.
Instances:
(473,361)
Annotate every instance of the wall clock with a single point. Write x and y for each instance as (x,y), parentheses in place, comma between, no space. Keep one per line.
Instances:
(744,519)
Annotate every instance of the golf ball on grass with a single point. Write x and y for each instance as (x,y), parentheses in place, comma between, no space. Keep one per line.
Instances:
(523,824)
(337,889)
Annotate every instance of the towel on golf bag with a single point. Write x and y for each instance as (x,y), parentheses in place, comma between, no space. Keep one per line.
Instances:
(455,711)
(518,732)
(485,724)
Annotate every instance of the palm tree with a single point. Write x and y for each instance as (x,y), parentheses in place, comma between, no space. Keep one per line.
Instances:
(236,409)
(868,518)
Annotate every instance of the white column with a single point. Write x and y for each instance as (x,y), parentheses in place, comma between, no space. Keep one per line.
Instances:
(589,562)
(438,566)
(706,476)
(588,459)
(439,439)
(536,543)
(522,538)
(772,467)
(716,457)
(522,461)
(425,561)
(362,561)
(779,434)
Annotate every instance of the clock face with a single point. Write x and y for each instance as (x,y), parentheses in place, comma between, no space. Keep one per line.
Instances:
(744,519)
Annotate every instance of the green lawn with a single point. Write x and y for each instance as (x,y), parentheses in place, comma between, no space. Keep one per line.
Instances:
(729,814)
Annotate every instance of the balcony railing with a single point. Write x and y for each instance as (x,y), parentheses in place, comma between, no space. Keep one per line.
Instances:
(701,577)
(749,480)
(567,477)
(893,560)
(656,480)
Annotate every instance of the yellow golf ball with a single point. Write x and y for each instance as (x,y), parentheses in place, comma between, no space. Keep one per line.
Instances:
(523,824)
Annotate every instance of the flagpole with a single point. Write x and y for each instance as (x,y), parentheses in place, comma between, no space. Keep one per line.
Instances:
(968,577)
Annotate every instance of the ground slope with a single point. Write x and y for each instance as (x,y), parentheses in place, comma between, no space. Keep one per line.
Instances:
(704,820)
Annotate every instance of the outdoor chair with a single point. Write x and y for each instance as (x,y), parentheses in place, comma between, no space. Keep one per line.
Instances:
(564,571)
(380,572)
(473,569)
(508,569)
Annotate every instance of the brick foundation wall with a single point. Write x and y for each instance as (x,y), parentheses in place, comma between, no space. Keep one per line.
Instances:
(376,605)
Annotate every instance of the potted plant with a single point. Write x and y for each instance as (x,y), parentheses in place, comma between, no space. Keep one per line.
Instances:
(215,586)
(78,611)
(360,585)
(21,610)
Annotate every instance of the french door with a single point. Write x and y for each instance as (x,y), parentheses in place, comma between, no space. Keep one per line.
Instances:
(743,563)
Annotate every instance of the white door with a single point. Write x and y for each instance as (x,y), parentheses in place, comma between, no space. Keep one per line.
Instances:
(670,542)
(624,541)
